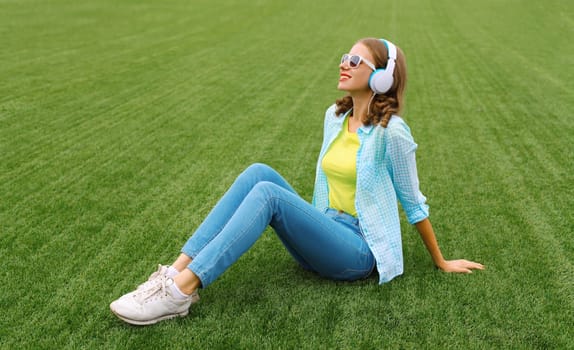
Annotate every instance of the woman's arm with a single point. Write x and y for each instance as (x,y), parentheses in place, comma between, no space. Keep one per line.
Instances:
(402,167)
(429,239)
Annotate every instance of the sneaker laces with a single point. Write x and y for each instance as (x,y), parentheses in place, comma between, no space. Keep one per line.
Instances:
(153,290)
(161,270)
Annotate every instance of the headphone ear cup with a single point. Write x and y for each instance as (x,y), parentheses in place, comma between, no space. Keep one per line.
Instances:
(380,81)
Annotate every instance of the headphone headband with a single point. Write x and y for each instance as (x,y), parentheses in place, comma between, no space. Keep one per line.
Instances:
(391,48)
(392,55)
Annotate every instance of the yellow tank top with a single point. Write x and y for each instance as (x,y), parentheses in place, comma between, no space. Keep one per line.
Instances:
(340,166)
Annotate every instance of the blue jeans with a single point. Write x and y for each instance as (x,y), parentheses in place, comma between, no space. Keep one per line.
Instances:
(329,243)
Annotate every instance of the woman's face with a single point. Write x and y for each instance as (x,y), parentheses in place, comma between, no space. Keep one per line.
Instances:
(356,80)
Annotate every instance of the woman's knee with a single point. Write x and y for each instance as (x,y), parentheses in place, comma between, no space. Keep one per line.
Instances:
(259,168)
(259,172)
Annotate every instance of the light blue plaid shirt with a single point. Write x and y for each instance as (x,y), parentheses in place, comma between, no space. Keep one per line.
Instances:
(386,171)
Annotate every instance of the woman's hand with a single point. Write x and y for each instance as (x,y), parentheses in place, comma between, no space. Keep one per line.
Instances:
(460,266)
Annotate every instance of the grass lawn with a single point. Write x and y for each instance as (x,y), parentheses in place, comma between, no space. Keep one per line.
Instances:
(122,123)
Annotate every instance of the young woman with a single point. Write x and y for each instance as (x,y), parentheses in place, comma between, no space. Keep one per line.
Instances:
(366,165)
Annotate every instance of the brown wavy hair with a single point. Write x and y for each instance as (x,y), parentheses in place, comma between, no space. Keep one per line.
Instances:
(382,106)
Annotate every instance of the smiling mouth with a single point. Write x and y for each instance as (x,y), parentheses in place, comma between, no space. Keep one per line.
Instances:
(344,75)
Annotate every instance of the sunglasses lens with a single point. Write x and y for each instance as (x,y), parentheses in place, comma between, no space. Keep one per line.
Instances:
(354,61)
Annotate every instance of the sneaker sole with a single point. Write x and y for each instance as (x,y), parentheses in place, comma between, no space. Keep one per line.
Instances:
(149,322)
(194,299)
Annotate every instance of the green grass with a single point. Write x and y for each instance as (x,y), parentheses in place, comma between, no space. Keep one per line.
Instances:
(123,122)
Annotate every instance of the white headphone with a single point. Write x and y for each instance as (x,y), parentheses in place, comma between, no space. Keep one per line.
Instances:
(381,80)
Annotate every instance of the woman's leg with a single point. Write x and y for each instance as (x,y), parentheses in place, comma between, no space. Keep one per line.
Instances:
(218,218)
(181,262)
(329,247)
(228,204)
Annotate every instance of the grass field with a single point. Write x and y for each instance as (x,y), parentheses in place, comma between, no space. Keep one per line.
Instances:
(122,123)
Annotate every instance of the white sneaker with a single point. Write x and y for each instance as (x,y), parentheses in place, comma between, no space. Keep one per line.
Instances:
(154,277)
(151,304)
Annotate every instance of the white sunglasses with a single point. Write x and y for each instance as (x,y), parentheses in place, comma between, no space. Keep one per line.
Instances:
(355,61)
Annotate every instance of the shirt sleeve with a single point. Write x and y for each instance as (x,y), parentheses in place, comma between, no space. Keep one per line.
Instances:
(401,164)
